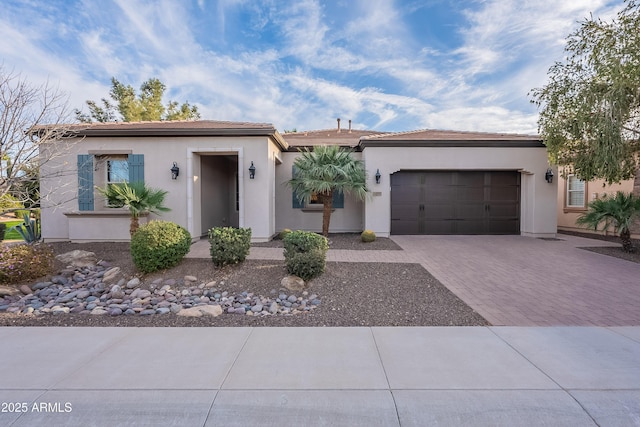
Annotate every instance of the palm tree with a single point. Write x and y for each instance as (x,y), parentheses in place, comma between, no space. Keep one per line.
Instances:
(619,211)
(137,197)
(326,170)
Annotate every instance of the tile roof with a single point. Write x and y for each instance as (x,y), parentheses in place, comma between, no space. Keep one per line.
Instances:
(173,124)
(448,135)
(344,138)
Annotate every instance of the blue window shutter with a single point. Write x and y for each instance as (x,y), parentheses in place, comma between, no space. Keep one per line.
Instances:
(136,167)
(85,182)
(296,203)
(338,199)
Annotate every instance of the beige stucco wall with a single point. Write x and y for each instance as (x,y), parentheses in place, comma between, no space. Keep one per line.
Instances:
(60,184)
(347,219)
(594,190)
(538,198)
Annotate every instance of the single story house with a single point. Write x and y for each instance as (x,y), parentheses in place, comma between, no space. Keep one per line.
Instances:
(234,174)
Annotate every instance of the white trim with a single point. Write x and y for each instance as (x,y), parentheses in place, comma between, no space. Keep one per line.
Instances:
(190,158)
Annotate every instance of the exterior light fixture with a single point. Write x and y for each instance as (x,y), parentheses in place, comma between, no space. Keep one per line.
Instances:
(175,171)
(252,171)
(378,176)
(549,176)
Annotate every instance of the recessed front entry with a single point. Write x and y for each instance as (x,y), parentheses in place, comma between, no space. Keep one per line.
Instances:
(455,202)
(219,191)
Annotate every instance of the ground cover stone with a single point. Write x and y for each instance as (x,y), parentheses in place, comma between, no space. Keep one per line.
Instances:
(88,289)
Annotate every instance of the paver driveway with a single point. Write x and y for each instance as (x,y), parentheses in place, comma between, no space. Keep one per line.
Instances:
(522,281)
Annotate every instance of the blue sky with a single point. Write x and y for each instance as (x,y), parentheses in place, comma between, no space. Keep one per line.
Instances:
(386,65)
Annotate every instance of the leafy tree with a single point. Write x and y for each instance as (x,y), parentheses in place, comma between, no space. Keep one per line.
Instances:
(590,108)
(31,118)
(137,197)
(326,170)
(619,211)
(129,107)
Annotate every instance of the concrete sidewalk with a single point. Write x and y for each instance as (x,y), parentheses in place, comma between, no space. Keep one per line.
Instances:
(320,376)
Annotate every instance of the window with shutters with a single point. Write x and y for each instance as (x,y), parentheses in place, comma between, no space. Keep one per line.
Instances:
(99,169)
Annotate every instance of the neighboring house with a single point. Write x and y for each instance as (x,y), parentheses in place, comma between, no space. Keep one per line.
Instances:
(574,196)
(430,182)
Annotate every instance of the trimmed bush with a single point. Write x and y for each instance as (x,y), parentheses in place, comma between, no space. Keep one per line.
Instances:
(305,254)
(25,262)
(368,236)
(3,229)
(229,245)
(159,245)
(284,233)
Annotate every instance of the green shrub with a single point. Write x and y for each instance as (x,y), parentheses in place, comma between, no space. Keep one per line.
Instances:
(24,262)
(305,254)
(21,213)
(368,236)
(284,233)
(3,229)
(159,245)
(229,245)
(8,202)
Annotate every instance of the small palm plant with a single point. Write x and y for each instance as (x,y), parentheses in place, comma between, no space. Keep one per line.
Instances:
(326,170)
(619,211)
(137,197)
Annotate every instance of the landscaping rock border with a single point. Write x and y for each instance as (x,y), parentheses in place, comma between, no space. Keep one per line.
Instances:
(88,290)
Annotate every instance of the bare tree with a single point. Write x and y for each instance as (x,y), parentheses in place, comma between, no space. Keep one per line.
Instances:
(35,129)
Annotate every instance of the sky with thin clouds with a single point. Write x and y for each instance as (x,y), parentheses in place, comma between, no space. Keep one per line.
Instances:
(386,65)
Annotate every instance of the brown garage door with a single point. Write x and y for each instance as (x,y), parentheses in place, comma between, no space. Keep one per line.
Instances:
(455,202)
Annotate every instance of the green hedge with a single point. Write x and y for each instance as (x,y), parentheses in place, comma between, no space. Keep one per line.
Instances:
(305,254)
(229,245)
(159,245)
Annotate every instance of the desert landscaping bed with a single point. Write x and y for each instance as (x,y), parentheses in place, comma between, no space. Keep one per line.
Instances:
(615,250)
(347,294)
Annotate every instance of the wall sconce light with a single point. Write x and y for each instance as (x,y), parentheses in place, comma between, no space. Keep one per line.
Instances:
(549,176)
(175,171)
(378,176)
(252,171)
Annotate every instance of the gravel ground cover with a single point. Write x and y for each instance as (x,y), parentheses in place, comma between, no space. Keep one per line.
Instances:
(350,294)
(615,250)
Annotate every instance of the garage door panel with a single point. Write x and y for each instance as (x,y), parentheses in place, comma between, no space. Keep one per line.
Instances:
(455,202)
(405,212)
(440,194)
(470,179)
(505,210)
(506,178)
(470,227)
(404,227)
(470,210)
(438,227)
(471,194)
(437,179)
(504,193)
(439,211)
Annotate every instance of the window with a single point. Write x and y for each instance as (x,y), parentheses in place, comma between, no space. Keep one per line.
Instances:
(576,190)
(117,171)
(100,168)
(315,199)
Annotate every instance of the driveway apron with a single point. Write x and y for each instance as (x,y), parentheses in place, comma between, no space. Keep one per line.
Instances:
(523,281)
